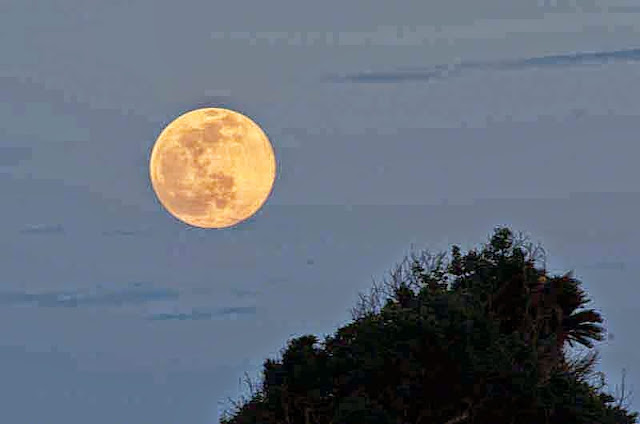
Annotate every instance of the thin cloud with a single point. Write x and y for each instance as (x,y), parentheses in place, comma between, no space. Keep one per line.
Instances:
(12,156)
(623,9)
(243,293)
(197,315)
(43,229)
(122,233)
(240,310)
(581,58)
(608,265)
(392,76)
(440,72)
(191,316)
(134,294)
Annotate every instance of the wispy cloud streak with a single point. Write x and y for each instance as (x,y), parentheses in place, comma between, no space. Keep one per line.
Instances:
(43,229)
(199,314)
(439,72)
(134,294)
(14,155)
(122,233)
(608,265)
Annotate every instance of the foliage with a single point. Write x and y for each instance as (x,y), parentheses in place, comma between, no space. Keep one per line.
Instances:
(477,339)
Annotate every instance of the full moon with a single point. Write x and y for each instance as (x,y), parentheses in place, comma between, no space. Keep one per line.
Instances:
(212,168)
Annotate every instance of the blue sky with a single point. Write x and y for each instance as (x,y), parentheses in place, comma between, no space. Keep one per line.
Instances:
(393,124)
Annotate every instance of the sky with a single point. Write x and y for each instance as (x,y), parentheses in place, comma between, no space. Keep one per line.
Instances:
(394,124)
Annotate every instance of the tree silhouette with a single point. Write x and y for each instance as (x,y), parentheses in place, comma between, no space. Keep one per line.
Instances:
(477,339)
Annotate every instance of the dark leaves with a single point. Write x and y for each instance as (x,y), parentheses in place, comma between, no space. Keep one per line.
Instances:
(479,339)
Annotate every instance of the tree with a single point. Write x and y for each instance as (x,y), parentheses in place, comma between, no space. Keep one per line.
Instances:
(477,339)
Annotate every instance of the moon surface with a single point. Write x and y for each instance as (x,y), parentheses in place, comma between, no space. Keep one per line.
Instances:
(212,168)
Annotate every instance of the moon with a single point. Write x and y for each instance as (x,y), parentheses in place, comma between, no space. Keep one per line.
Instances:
(212,168)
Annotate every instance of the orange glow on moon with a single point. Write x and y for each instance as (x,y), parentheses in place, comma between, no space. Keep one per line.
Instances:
(212,168)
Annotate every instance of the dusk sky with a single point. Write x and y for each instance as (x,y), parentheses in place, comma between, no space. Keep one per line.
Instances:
(393,124)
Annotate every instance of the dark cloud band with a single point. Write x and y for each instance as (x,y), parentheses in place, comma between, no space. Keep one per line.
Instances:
(439,72)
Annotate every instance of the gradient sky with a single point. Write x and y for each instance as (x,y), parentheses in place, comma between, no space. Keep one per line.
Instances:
(393,123)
